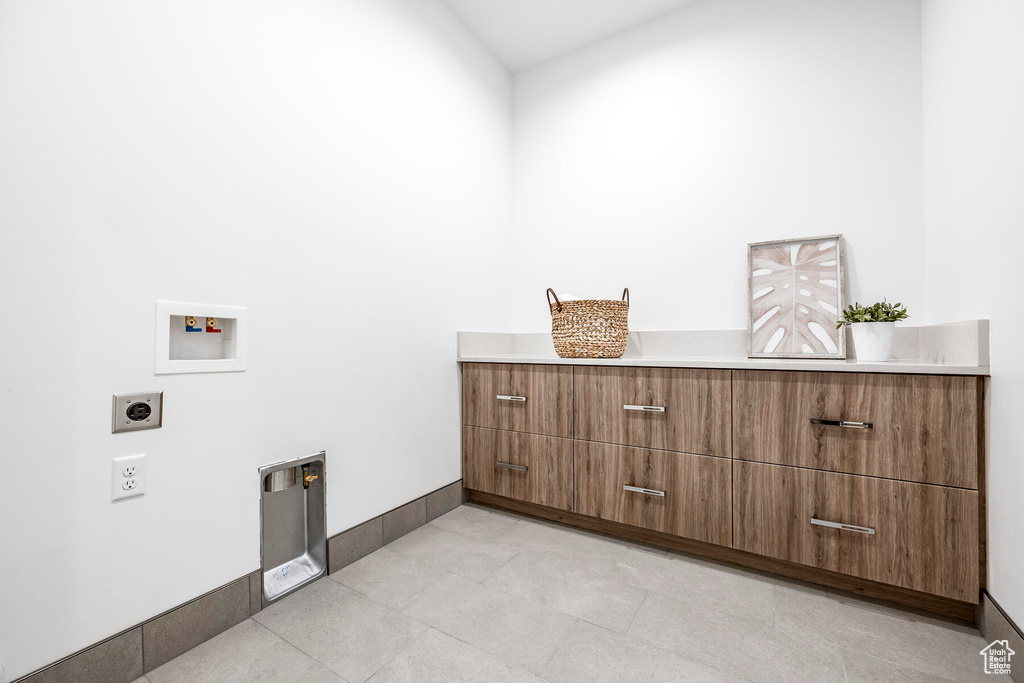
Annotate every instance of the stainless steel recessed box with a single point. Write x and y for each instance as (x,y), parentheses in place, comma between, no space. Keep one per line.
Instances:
(293,524)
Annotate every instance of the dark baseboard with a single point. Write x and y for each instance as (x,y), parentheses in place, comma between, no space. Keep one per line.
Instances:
(345,548)
(128,655)
(995,625)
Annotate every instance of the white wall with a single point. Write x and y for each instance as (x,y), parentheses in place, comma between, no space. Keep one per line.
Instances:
(974,191)
(651,159)
(341,168)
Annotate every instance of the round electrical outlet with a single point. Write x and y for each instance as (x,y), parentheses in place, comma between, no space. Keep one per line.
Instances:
(138,412)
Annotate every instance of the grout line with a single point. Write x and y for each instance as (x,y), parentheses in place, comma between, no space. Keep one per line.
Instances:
(673,653)
(496,657)
(439,630)
(650,644)
(313,663)
(393,658)
(636,616)
(543,552)
(575,623)
(295,645)
(457,533)
(842,663)
(142,648)
(444,573)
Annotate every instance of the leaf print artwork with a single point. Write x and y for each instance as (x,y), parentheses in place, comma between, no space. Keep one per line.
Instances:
(795,298)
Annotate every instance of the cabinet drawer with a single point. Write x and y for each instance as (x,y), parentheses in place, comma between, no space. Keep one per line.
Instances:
(529,467)
(681,494)
(916,536)
(664,408)
(921,428)
(523,398)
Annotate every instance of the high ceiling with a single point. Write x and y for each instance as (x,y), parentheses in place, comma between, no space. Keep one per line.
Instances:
(524,33)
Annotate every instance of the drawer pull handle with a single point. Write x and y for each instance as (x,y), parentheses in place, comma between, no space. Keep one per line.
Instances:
(503,397)
(510,466)
(845,527)
(649,492)
(645,409)
(848,424)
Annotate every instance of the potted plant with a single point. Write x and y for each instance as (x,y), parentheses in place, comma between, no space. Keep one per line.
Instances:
(873,329)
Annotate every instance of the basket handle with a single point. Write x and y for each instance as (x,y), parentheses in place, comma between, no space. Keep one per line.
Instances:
(551,293)
(625,295)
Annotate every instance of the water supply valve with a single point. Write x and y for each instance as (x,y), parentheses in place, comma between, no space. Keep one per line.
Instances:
(307,477)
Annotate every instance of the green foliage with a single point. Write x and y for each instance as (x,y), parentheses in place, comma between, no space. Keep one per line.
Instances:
(881,312)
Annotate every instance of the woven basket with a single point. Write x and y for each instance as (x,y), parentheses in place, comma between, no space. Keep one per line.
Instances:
(589,328)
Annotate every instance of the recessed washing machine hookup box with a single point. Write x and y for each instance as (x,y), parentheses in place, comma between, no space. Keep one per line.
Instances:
(199,338)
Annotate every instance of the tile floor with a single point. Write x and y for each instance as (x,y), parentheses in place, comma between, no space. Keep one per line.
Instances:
(478,596)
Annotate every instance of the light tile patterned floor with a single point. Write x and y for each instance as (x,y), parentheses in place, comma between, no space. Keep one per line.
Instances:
(480,596)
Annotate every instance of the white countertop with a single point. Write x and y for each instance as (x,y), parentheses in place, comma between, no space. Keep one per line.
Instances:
(959,348)
(901,366)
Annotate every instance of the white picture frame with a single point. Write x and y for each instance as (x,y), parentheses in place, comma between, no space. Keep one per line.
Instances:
(795,295)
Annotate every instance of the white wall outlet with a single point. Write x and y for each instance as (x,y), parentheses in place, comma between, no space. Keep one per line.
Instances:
(128,478)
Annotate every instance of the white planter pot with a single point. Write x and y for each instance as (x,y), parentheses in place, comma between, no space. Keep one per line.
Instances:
(873,341)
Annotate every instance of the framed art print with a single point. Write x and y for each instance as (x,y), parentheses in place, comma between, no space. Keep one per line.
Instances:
(795,297)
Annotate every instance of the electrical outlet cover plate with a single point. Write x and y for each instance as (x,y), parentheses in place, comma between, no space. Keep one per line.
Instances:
(128,486)
(135,412)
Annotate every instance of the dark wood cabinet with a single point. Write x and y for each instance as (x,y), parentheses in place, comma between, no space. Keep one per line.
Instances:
(529,467)
(916,536)
(670,409)
(536,399)
(677,493)
(921,428)
(862,481)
